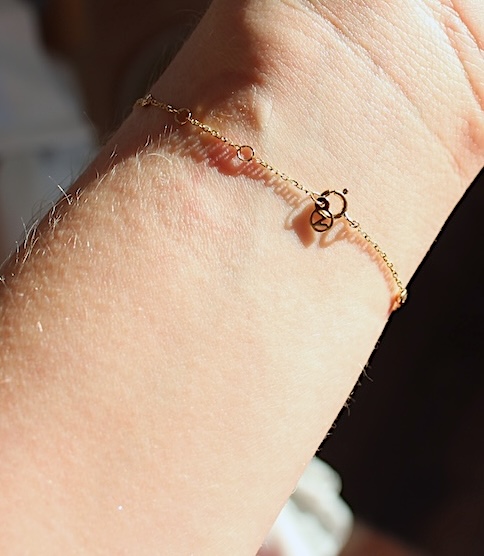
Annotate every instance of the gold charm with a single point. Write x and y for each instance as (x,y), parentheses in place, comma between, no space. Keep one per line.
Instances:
(322,219)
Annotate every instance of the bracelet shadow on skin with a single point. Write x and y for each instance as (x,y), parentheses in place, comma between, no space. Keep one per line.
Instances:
(205,149)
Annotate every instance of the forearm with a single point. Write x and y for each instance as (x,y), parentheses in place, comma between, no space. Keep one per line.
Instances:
(183,349)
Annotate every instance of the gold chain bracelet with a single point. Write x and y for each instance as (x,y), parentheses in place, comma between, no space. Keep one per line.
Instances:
(321,220)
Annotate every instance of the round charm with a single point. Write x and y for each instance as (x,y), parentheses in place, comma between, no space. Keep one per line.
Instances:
(321,220)
(245,153)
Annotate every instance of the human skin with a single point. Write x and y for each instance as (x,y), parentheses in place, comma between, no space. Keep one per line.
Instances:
(172,350)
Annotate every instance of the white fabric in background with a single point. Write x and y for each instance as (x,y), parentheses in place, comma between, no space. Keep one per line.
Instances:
(315,521)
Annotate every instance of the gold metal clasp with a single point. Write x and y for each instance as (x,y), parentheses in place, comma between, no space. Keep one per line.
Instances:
(322,218)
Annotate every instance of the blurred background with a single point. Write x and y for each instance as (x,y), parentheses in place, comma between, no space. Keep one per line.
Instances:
(409,447)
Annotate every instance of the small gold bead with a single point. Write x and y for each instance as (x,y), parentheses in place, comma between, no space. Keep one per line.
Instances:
(183,116)
(245,153)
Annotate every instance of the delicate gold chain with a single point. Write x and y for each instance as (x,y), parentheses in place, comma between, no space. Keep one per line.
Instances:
(402,294)
(322,218)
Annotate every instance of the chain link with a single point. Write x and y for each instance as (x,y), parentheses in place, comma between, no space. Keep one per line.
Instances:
(246,153)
